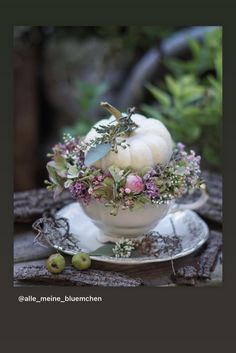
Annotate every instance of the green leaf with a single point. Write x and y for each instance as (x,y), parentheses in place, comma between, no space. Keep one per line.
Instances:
(194,132)
(73,172)
(152,112)
(57,167)
(115,172)
(195,47)
(60,161)
(97,152)
(216,85)
(173,86)
(174,66)
(190,112)
(191,94)
(68,183)
(108,182)
(161,96)
(53,175)
(89,93)
(218,65)
(58,190)
(187,80)
(52,172)
(79,129)
(103,250)
(211,155)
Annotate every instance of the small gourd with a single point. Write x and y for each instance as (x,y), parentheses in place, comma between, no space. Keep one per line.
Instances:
(149,144)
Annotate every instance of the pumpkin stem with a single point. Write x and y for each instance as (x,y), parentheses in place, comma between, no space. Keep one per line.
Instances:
(117,114)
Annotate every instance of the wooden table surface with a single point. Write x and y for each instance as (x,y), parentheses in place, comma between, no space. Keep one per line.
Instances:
(29,206)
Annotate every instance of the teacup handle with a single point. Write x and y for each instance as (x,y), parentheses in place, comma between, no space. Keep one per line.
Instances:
(192,205)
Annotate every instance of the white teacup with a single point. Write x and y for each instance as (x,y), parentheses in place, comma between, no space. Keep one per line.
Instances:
(132,223)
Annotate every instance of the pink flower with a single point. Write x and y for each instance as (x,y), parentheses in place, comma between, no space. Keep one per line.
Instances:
(134,183)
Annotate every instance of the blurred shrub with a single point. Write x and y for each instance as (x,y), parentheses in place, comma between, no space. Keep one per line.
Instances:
(135,37)
(190,101)
(206,56)
(130,37)
(89,96)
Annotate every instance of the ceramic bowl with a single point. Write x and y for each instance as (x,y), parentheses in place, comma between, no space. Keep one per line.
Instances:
(127,223)
(132,223)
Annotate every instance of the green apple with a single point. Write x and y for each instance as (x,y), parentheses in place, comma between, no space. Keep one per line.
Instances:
(56,263)
(81,261)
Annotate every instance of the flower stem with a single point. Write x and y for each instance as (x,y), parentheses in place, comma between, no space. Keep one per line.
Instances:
(117,114)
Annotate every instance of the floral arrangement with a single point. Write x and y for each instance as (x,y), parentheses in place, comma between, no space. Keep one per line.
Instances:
(118,188)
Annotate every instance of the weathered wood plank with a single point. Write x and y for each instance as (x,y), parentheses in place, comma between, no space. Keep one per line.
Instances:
(72,277)
(204,265)
(208,257)
(30,205)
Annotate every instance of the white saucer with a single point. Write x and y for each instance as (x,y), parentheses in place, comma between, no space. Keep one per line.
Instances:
(190,228)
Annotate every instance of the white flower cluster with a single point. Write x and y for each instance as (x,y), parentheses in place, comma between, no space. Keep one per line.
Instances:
(67,137)
(123,248)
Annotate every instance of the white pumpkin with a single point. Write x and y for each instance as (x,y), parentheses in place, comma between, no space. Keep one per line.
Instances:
(149,144)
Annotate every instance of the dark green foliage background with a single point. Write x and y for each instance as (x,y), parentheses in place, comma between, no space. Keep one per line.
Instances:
(187,97)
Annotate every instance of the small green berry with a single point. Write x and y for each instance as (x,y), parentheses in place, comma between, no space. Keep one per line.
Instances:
(81,261)
(56,263)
